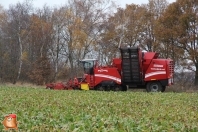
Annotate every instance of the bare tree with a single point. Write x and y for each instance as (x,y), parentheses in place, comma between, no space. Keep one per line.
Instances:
(17,24)
(154,9)
(77,27)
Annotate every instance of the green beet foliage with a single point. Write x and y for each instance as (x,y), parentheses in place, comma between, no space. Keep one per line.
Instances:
(42,110)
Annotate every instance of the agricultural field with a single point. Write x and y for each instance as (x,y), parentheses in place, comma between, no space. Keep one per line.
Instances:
(40,110)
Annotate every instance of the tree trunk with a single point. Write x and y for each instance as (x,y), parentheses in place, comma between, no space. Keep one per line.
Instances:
(56,61)
(196,75)
(71,62)
(20,58)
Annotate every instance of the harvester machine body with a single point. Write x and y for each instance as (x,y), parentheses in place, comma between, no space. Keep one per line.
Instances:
(71,84)
(146,70)
(102,77)
(135,69)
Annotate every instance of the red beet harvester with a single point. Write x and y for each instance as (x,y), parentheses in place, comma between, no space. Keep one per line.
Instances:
(135,69)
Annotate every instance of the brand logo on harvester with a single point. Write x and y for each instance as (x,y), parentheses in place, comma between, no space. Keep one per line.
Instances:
(102,70)
(157,65)
(10,122)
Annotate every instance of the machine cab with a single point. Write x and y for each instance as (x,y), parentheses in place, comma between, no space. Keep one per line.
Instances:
(88,65)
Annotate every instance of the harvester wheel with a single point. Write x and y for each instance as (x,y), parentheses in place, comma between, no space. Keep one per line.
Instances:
(163,88)
(154,87)
(117,88)
(101,88)
(124,88)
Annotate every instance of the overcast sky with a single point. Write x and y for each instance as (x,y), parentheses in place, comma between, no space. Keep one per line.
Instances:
(40,3)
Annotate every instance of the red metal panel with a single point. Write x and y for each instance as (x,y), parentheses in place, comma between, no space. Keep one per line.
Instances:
(117,63)
(157,70)
(107,73)
(58,86)
(103,74)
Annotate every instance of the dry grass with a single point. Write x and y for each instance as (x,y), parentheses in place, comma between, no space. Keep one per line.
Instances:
(22,84)
(180,88)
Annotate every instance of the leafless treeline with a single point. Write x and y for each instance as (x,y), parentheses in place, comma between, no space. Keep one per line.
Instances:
(42,45)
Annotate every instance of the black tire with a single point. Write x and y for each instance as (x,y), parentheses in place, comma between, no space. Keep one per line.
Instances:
(108,88)
(101,88)
(154,87)
(163,88)
(117,88)
(124,88)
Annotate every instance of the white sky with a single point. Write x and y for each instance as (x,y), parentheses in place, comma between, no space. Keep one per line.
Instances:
(40,3)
